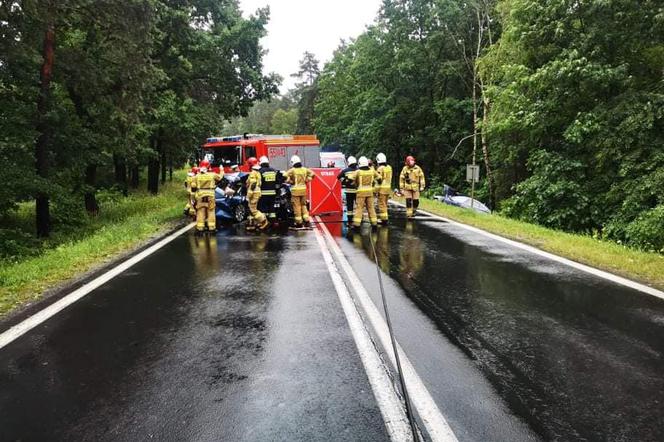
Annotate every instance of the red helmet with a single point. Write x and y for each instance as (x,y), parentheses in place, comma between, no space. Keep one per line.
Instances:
(252,162)
(195,170)
(410,160)
(204,164)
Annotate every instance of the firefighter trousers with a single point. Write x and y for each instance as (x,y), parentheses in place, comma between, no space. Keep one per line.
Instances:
(362,202)
(350,205)
(256,217)
(382,206)
(205,213)
(300,210)
(412,202)
(266,205)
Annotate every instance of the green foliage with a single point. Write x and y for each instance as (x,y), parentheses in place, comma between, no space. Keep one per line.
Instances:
(647,230)
(134,82)
(569,98)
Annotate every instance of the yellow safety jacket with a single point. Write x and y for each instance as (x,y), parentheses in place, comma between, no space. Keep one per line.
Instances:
(412,178)
(364,180)
(298,177)
(254,181)
(203,184)
(385,182)
(188,181)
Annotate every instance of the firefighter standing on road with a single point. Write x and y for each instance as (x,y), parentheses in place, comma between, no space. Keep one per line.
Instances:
(364,179)
(271,179)
(349,187)
(384,185)
(254,182)
(203,185)
(298,177)
(411,183)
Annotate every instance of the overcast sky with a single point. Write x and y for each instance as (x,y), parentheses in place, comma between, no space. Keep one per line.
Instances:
(309,25)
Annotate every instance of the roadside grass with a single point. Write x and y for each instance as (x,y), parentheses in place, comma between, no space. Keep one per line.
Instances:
(123,223)
(646,267)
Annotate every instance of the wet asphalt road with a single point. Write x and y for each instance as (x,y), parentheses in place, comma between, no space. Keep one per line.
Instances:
(188,346)
(573,356)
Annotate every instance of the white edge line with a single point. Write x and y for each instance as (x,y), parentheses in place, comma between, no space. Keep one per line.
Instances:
(433,420)
(584,268)
(390,406)
(38,318)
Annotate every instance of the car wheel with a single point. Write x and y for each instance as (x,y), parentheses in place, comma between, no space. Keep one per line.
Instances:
(240,213)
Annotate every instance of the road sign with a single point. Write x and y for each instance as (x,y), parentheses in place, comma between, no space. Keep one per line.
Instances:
(472,173)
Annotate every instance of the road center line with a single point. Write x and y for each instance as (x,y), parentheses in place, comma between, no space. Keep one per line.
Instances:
(43,315)
(389,404)
(584,268)
(433,420)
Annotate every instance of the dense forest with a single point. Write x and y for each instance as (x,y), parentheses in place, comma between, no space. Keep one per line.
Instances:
(94,92)
(562,104)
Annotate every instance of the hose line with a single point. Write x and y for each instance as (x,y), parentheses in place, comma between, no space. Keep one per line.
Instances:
(402,381)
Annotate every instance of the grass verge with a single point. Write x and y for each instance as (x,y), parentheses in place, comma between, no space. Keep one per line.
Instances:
(634,264)
(123,224)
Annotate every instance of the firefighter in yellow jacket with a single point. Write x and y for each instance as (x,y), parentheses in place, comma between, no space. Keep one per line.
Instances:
(383,187)
(411,183)
(203,185)
(190,208)
(364,179)
(298,177)
(256,218)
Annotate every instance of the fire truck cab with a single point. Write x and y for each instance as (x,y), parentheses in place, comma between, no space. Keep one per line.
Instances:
(222,152)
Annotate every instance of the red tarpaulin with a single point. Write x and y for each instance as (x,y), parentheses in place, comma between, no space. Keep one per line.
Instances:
(325,192)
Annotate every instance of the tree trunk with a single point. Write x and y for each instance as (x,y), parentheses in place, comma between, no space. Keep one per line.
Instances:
(120,167)
(91,205)
(162,159)
(153,175)
(170,172)
(485,151)
(134,177)
(42,210)
(153,166)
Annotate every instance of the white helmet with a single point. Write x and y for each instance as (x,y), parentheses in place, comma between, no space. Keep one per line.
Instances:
(381,158)
(295,159)
(352,160)
(364,162)
(264,160)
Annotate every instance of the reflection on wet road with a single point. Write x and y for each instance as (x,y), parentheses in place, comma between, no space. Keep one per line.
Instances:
(574,356)
(228,338)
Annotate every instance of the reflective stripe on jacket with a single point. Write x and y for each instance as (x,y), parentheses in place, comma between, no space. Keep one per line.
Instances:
(270,179)
(364,180)
(298,177)
(254,182)
(412,178)
(203,184)
(385,186)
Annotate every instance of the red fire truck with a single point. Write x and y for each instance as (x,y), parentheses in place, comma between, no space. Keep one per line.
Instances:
(223,152)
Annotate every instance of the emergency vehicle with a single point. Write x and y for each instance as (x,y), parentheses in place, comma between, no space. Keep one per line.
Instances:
(222,152)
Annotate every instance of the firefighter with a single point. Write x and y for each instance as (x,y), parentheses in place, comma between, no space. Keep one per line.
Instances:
(254,183)
(298,177)
(364,179)
(384,187)
(203,186)
(190,208)
(271,179)
(349,187)
(411,183)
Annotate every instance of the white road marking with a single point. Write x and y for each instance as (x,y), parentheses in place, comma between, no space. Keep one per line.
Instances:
(584,268)
(389,403)
(433,420)
(38,318)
